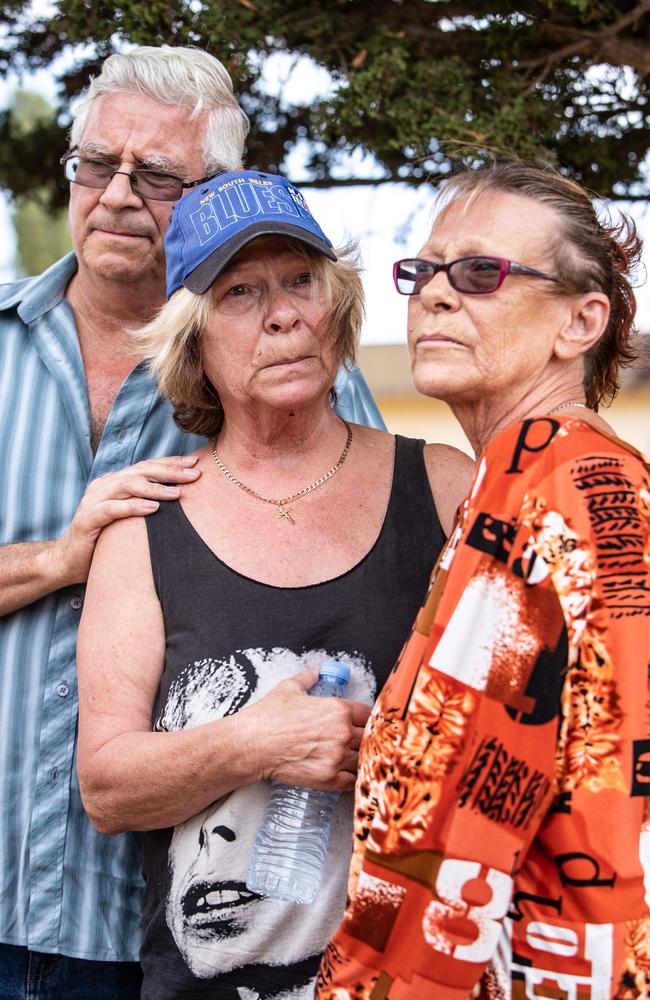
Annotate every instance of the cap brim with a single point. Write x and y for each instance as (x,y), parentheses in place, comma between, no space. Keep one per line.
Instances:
(200,279)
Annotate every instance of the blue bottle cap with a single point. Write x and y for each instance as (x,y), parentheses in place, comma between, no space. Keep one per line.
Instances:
(334,670)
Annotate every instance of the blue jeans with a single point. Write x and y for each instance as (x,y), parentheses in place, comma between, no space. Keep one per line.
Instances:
(33,975)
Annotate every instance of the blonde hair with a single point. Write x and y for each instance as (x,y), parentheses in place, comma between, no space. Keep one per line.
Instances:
(171,342)
(176,76)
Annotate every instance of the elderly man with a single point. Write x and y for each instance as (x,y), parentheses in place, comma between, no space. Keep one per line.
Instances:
(76,408)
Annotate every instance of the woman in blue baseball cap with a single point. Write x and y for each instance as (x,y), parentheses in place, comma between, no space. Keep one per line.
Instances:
(304,538)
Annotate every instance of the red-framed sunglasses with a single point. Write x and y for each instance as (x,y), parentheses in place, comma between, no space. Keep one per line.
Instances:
(472,275)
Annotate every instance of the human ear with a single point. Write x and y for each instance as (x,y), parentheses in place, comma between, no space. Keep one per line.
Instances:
(587,322)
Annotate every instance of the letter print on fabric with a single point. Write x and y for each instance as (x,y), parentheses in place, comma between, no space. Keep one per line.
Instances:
(502,818)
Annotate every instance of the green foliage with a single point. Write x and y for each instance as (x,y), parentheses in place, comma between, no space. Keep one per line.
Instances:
(41,232)
(42,236)
(420,85)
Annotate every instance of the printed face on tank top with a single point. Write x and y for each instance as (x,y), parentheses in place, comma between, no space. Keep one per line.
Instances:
(217,924)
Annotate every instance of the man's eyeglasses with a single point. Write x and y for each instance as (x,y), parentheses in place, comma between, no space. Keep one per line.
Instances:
(472,275)
(145,182)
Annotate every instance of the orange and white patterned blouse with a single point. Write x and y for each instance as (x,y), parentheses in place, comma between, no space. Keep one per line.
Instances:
(502,821)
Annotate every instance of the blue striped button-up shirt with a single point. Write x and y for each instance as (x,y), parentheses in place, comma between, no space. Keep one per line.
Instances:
(65,887)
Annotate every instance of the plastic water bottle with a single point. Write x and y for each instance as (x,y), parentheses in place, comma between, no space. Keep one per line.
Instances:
(288,855)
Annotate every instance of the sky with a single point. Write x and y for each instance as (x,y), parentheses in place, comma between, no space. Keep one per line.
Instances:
(388,221)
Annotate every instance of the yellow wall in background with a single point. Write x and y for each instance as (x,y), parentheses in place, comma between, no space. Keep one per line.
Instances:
(417,416)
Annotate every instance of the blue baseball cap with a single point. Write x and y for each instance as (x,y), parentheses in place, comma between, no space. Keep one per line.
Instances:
(212,223)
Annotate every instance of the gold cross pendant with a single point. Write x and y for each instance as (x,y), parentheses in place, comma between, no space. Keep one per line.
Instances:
(285,512)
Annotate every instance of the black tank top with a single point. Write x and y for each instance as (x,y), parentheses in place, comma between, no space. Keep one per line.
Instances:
(229,640)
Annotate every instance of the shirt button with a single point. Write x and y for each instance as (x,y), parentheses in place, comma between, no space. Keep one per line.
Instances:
(76,603)
(62,690)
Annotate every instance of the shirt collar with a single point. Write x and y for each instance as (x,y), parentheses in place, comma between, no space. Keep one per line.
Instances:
(37,296)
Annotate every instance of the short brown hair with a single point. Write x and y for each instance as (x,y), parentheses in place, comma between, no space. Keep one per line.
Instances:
(172,341)
(590,254)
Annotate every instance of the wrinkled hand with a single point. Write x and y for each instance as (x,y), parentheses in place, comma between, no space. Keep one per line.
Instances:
(308,741)
(130,492)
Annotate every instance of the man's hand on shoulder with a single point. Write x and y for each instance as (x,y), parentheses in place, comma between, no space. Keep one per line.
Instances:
(30,570)
(132,492)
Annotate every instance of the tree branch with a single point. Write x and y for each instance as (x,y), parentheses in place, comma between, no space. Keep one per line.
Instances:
(604,45)
(344,182)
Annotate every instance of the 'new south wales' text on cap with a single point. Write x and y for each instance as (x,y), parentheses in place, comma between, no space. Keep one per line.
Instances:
(212,223)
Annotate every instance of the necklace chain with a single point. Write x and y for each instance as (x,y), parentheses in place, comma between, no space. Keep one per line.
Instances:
(565,406)
(282,504)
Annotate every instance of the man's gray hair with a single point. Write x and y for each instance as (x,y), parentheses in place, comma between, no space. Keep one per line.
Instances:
(175,75)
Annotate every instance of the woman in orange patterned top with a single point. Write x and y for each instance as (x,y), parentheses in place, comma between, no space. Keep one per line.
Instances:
(502,840)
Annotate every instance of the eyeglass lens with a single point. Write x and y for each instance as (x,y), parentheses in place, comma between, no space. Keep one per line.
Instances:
(146,183)
(474,275)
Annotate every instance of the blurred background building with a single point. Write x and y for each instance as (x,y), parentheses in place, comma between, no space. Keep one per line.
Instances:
(386,367)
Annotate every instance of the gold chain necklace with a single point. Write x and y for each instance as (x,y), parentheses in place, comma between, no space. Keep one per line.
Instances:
(283,509)
(565,406)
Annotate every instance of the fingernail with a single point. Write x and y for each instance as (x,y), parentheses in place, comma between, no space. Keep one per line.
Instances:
(189,459)
(193,473)
(171,491)
(150,505)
